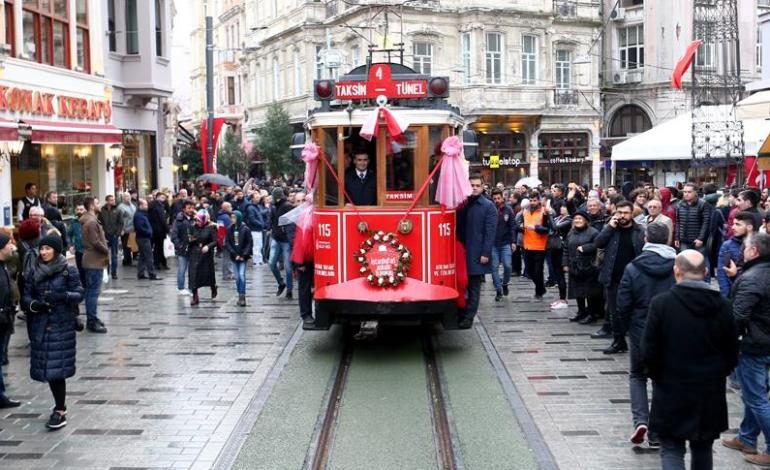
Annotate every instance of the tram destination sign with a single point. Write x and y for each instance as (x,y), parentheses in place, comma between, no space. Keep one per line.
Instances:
(381,82)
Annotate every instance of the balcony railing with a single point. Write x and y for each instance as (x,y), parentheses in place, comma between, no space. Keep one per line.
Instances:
(565,8)
(565,97)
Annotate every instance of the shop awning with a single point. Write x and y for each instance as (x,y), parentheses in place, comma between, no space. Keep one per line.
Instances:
(672,140)
(8,130)
(52,132)
(756,106)
(764,150)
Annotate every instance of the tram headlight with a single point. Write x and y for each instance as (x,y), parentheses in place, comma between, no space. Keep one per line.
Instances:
(324,90)
(438,87)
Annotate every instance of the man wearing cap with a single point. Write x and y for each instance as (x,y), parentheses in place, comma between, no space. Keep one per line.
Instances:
(7,309)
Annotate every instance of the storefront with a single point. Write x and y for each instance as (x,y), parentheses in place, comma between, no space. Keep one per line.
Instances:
(503,157)
(57,134)
(564,158)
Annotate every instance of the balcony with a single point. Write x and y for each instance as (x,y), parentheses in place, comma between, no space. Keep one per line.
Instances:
(565,97)
(565,8)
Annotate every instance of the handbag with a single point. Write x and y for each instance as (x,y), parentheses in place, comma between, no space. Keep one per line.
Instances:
(168,248)
(132,242)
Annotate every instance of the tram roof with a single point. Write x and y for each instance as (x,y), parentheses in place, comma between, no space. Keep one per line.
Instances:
(414,116)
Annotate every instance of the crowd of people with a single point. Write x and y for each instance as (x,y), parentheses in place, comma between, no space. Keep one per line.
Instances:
(640,260)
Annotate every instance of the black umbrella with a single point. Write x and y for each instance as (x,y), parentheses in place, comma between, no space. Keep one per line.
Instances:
(216,178)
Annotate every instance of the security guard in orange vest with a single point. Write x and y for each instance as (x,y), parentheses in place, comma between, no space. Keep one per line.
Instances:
(535,227)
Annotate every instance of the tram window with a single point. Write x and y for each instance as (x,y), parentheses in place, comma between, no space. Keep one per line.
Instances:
(360,169)
(434,138)
(400,162)
(330,152)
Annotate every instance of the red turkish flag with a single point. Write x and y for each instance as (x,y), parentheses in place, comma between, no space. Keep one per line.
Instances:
(684,64)
(755,176)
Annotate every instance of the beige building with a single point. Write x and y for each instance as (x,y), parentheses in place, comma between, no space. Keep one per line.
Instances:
(641,45)
(510,67)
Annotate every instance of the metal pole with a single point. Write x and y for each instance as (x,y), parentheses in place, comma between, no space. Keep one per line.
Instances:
(209,90)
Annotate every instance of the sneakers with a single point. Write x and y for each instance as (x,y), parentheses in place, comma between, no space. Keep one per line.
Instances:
(6,402)
(735,444)
(505,290)
(579,316)
(289,295)
(57,420)
(637,438)
(760,460)
(605,332)
(499,296)
(281,288)
(559,304)
(652,444)
(241,301)
(96,326)
(465,323)
(184,292)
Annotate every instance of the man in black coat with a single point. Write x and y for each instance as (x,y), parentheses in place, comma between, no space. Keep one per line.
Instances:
(144,235)
(751,309)
(693,221)
(505,239)
(158,215)
(622,240)
(7,309)
(689,347)
(360,182)
(649,274)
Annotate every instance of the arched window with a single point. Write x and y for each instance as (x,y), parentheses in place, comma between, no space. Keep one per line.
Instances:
(629,119)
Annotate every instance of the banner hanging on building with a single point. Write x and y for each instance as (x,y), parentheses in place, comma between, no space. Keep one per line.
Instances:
(218,123)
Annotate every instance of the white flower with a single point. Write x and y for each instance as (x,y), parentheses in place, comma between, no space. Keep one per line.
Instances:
(405,255)
(380,280)
(363,269)
(370,277)
(391,279)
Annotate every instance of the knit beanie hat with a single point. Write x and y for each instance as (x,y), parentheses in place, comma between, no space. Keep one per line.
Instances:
(54,241)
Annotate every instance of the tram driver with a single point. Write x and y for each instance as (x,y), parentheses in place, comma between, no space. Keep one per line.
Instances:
(360,181)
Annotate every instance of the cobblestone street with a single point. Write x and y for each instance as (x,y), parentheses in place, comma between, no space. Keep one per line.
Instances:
(166,387)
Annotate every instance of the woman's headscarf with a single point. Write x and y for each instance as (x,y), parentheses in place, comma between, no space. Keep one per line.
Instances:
(238,219)
(202,218)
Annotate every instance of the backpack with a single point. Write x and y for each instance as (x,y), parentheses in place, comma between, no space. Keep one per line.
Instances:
(28,262)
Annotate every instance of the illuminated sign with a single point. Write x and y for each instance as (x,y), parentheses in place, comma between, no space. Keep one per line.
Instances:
(38,103)
(381,82)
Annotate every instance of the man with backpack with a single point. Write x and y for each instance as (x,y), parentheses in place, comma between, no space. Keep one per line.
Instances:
(256,225)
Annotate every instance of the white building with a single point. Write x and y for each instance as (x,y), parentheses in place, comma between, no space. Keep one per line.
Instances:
(641,45)
(52,83)
(510,67)
(137,53)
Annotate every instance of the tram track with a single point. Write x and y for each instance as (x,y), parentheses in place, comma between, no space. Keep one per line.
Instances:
(321,452)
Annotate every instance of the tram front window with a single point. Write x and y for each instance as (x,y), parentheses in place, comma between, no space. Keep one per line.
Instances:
(400,163)
(360,178)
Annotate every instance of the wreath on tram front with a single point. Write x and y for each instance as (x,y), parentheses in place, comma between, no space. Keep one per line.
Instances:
(384,260)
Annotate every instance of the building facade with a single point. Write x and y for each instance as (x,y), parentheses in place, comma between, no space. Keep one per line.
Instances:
(55,98)
(641,44)
(137,51)
(512,70)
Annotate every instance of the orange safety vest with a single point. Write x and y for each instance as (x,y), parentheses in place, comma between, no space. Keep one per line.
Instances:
(532,240)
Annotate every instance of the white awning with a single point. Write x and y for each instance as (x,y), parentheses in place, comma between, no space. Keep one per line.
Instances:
(672,140)
(756,106)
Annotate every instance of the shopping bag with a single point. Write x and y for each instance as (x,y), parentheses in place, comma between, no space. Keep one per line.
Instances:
(132,242)
(168,248)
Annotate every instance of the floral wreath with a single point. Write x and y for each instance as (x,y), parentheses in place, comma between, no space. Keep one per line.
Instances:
(402,267)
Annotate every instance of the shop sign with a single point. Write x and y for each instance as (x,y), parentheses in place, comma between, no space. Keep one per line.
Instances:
(500,161)
(556,160)
(399,196)
(38,103)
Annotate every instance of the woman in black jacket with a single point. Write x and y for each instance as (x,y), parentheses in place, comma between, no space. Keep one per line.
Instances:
(202,244)
(51,292)
(238,244)
(579,262)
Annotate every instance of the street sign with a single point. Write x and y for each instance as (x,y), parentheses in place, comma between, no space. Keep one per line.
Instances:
(381,82)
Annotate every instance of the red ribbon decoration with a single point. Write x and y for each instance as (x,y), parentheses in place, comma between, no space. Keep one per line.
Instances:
(684,64)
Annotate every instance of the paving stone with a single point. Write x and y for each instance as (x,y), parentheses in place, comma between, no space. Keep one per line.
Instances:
(142,386)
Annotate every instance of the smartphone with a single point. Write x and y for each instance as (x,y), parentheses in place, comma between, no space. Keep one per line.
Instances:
(728,258)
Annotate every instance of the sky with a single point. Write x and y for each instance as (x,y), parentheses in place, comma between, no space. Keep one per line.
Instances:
(180,56)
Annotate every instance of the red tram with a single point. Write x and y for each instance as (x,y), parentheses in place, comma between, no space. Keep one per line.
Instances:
(393,261)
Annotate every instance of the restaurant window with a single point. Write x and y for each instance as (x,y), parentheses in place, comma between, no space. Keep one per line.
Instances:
(111,26)
(10,32)
(494,56)
(82,35)
(230,91)
(631,47)
(528,60)
(132,28)
(563,158)
(45,32)
(422,58)
(159,28)
(509,151)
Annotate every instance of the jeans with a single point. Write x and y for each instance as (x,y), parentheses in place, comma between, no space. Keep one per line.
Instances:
(281,250)
(93,287)
(112,243)
(305,290)
(145,257)
(474,292)
(240,275)
(534,261)
(501,254)
(756,406)
(181,271)
(637,384)
(256,247)
(672,454)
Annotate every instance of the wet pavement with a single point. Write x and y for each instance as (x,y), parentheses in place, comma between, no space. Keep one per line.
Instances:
(170,385)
